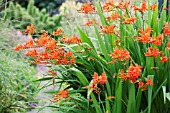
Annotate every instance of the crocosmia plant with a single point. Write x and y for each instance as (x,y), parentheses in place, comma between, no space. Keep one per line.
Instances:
(123,68)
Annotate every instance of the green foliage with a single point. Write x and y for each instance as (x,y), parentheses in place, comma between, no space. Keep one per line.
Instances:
(51,6)
(22,17)
(120,94)
(17,90)
(128,97)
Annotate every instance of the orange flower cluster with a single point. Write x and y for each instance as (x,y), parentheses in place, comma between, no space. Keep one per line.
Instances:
(52,53)
(153,6)
(153,52)
(30,29)
(58,55)
(123,5)
(109,29)
(72,40)
(32,53)
(58,32)
(96,80)
(158,40)
(120,54)
(166,29)
(90,22)
(132,74)
(164,58)
(108,6)
(142,9)
(44,40)
(145,37)
(129,20)
(115,15)
(87,8)
(18,47)
(59,96)
(144,86)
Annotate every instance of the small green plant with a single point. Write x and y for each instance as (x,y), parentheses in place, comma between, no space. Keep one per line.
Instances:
(22,17)
(17,91)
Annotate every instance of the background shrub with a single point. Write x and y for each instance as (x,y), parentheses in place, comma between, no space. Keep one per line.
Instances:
(22,17)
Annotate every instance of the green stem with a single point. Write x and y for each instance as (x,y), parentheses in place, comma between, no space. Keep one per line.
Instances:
(5,9)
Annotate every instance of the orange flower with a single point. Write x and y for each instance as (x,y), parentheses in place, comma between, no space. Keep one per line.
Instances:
(148,30)
(123,75)
(108,6)
(145,35)
(44,56)
(103,78)
(135,8)
(64,93)
(164,58)
(158,40)
(110,97)
(64,61)
(120,54)
(153,6)
(123,5)
(109,29)
(153,52)
(168,45)
(59,96)
(56,98)
(72,60)
(58,32)
(95,79)
(32,53)
(149,81)
(133,72)
(129,20)
(165,8)
(55,55)
(142,9)
(141,84)
(144,38)
(30,29)
(87,8)
(144,6)
(73,40)
(69,53)
(29,44)
(52,72)
(19,47)
(44,39)
(90,22)
(115,15)
(51,45)
(166,29)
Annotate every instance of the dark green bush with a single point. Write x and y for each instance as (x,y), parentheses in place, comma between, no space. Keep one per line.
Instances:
(51,6)
(22,17)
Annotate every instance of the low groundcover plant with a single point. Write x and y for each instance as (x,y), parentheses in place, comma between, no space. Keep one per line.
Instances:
(125,70)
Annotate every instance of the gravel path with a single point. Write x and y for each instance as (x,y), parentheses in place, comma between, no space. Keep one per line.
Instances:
(44,99)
